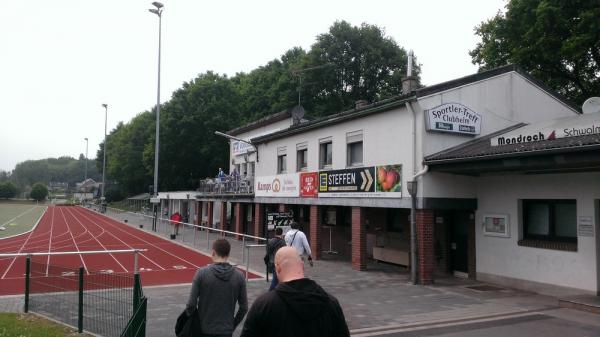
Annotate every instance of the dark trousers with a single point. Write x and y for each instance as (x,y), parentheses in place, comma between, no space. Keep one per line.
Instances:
(274,281)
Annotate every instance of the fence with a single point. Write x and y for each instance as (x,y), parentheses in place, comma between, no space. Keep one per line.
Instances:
(229,185)
(244,248)
(99,302)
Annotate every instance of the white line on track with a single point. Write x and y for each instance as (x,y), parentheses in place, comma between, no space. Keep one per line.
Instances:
(15,258)
(151,244)
(96,224)
(69,228)
(50,243)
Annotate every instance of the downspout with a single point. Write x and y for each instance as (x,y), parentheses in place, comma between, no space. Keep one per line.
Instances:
(413,196)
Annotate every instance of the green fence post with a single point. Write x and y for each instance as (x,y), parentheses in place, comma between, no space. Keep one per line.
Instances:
(80,313)
(137,291)
(27,281)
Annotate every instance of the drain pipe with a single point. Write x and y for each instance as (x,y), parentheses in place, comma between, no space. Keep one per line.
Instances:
(412,190)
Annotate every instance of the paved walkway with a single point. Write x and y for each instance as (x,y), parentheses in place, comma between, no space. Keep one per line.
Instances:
(374,301)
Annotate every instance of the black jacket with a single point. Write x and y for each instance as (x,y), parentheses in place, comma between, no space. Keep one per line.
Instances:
(273,246)
(299,308)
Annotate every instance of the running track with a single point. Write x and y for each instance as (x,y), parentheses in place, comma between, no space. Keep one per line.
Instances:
(64,228)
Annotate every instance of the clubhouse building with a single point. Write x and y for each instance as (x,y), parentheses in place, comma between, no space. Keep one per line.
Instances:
(499,174)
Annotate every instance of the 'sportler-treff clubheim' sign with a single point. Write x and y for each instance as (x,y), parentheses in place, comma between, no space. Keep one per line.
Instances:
(281,185)
(453,118)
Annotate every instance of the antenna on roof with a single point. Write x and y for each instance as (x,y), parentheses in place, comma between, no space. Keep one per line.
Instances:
(300,72)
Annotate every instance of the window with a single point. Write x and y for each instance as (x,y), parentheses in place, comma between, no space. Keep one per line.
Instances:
(550,220)
(302,160)
(354,149)
(325,154)
(281,163)
(355,154)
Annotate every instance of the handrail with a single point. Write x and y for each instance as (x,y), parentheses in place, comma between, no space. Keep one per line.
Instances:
(85,252)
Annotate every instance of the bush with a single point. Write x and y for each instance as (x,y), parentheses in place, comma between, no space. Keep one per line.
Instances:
(7,190)
(39,192)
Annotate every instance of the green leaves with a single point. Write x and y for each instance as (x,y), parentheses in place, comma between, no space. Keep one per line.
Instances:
(557,41)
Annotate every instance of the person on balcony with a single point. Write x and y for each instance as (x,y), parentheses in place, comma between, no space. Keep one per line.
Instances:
(221,175)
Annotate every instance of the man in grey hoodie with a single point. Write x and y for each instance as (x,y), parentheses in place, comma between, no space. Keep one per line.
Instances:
(216,289)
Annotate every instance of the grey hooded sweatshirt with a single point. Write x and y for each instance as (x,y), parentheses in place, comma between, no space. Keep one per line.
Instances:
(216,289)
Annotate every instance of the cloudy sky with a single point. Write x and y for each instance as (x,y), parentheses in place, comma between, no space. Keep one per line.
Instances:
(61,60)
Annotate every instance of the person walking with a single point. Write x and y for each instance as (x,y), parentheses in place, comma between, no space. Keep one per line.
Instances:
(297,239)
(272,247)
(215,291)
(176,221)
(298,307)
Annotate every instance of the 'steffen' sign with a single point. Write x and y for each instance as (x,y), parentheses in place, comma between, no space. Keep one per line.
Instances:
(453,118)
(281,185)
(353,182)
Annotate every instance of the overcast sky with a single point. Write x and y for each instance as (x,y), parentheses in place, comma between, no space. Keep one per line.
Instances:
(60,60)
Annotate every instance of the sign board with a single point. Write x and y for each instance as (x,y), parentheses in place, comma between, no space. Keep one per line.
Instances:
(240,148)
(281,185)
(453,118)
(374,181)
(496,225)
(574,126)
(585,226)
(309,184)
(279,219)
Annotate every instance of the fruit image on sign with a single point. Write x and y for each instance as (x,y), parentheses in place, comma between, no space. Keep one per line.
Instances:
(389,178)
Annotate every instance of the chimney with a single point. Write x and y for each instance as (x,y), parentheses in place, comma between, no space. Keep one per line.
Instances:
(360,103)
(409,83)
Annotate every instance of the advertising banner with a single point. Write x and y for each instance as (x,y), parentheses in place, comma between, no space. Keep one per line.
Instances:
(374,182)
(281,185)
(240,148)
(309,184)
(453,118)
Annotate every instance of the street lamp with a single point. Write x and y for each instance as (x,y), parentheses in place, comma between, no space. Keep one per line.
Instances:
(86,160)
(158,11)
(104,150)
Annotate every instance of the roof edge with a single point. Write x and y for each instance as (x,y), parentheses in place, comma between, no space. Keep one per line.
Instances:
(263,121)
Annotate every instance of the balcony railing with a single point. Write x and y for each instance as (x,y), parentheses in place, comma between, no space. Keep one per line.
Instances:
(243,185)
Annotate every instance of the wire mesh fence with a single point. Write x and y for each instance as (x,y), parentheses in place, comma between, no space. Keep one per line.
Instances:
(95,301)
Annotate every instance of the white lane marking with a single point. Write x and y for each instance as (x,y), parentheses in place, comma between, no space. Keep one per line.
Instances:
(50,243)
(77,247)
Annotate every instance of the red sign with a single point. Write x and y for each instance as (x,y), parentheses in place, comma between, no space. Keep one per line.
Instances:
(309,184)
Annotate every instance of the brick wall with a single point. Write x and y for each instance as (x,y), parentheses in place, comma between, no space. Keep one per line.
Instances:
(239,217)
(259,219)
(223,216)
(359,239)
(425,245)
(315,231)
(209,215)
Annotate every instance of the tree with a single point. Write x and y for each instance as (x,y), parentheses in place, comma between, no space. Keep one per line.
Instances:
(354,63)
(38,192)
(556,41)
(7,190)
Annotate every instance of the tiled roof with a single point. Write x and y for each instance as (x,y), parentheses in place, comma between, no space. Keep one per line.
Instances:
(482,149)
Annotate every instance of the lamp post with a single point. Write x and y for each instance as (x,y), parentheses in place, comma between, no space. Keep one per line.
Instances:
(104,150)
(86,160)
(158,11)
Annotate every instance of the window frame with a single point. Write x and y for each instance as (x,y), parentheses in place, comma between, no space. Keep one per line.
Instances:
(349,162)
(302,153)
(281,163)
(552,220)
(323,164)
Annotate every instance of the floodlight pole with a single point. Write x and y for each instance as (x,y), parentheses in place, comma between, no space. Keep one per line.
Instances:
(104,150)
(86,158)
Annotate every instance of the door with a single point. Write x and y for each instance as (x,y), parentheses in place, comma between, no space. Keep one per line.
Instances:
(459,244)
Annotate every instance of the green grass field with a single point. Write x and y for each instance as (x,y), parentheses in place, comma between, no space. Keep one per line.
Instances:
(18,218)
(24,325)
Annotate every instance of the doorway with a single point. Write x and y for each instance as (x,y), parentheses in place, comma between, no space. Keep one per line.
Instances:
(459,244)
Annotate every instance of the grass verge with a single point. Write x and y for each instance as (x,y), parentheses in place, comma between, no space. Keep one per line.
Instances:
(28,325)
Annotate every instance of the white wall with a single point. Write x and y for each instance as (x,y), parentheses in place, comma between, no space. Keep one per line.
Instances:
(387,139)
(503,257)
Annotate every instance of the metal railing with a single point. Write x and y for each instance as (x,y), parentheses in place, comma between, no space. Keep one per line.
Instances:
(228,185)
(196,235)
(104,302)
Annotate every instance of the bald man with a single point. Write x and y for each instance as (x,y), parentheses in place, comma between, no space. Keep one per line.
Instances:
(298,307)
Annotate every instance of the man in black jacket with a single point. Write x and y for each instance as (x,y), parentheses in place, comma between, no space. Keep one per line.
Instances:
(298,307)
(272,247)
(215,290)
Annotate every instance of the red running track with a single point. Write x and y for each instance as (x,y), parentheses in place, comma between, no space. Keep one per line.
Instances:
(64,229)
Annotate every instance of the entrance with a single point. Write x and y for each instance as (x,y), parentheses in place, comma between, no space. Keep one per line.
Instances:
(459,244)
